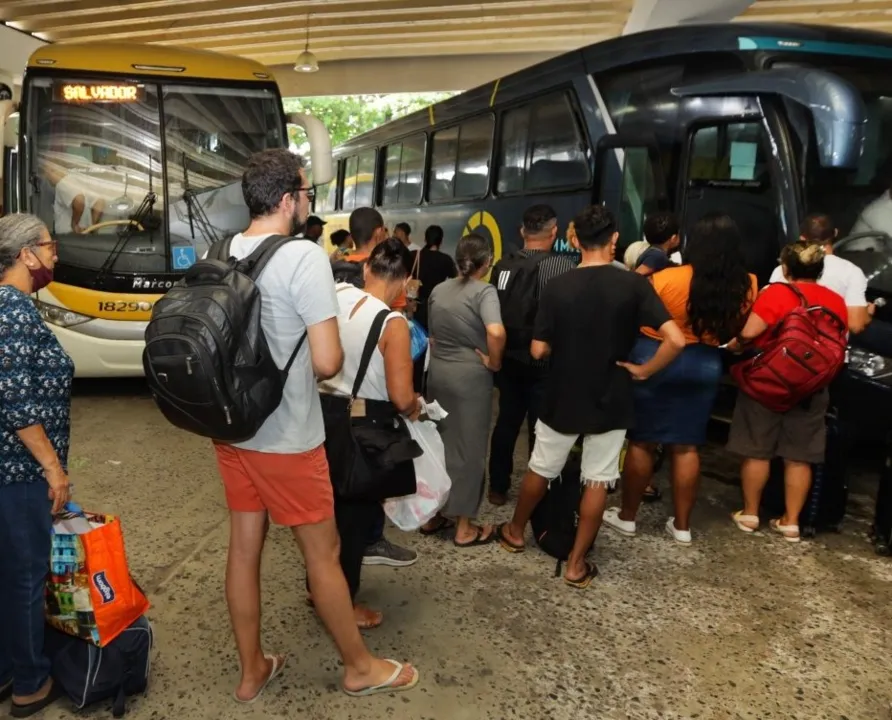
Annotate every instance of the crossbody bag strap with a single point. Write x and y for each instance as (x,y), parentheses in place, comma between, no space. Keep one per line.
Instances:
(416,266)
(370,343)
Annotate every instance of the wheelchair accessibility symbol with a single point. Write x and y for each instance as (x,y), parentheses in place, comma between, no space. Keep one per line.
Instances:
(183,257)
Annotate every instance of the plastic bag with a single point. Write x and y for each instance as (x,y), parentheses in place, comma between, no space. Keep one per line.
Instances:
(419,339)
(410,512)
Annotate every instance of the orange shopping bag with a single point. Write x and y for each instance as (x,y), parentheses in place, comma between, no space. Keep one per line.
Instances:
(90,593)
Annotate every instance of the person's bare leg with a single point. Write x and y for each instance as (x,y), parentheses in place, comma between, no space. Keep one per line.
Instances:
(320,546)
(532,490)
(753,478)
(685,479)
(638,471)
(591,511)
(246,537)
(797,483)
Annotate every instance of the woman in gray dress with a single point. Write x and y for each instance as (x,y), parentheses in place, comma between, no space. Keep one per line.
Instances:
(467,341)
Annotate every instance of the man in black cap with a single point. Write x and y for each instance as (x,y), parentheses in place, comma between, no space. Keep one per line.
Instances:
(314,228)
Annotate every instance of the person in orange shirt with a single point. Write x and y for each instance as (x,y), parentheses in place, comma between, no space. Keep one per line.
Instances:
(709,298)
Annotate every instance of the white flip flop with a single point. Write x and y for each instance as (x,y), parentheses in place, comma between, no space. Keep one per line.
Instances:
(790,533)
(274,673)
(738,518)
(387,686)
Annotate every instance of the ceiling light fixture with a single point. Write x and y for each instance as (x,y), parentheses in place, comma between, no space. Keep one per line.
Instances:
(306,61)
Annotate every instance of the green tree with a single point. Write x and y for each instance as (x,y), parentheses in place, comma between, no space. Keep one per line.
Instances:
(351,115)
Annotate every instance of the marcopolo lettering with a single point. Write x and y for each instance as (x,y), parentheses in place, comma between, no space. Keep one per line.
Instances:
(143,283)
(101,583)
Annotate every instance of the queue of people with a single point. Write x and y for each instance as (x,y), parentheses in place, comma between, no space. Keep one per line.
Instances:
(604,354)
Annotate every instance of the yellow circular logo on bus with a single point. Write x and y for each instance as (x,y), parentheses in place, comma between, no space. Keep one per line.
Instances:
(483,219)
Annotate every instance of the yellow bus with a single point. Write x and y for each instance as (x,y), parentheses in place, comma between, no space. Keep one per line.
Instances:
(133,155)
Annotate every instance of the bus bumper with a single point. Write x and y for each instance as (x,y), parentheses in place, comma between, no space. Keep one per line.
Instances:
(99,357)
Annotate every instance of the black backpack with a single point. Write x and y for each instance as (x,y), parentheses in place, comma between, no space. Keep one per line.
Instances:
(556,517)
(516,278)
(207,361)
(90,674)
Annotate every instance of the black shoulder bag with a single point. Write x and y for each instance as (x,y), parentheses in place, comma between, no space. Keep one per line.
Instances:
(369,448)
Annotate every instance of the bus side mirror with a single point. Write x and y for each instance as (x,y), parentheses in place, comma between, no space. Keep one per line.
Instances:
(320,146)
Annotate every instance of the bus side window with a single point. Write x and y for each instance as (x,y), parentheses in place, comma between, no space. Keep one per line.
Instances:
(728,172)
(460,160)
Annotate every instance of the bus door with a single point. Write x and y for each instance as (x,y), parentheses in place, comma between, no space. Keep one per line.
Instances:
(728,168)
(630,181)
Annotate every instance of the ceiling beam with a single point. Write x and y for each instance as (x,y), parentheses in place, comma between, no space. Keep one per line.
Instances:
(390,75)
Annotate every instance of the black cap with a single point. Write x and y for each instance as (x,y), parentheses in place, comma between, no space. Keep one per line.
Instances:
(315,220)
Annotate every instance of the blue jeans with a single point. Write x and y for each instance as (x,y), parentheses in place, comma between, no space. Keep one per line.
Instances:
(26,525)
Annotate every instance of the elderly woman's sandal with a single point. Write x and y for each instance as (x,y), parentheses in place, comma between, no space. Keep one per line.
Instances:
(745,523)
(790,533)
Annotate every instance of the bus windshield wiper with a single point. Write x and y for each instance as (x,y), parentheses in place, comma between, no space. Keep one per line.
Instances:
(140,218)
(197,215)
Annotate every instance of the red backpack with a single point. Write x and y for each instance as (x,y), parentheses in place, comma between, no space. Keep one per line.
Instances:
(806,351)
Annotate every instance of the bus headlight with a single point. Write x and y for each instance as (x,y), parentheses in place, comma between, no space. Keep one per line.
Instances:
(866,363)
(56,315)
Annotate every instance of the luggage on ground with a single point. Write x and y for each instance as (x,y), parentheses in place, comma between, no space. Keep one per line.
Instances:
(517,283)
(89,674)
(806,352)
(825,506)
(881,532)
(89,592)
(206,359)
(556,517)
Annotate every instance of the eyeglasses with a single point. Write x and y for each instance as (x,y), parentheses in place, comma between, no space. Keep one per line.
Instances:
(54,244)
(310,191)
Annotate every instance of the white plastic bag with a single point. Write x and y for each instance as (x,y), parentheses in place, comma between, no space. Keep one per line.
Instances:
(410,512)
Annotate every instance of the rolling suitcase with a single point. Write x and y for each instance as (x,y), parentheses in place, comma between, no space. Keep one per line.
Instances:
(825,506)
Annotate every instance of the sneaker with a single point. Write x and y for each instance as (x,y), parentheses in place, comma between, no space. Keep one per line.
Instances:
(623,527)
(385,552)
(682,537)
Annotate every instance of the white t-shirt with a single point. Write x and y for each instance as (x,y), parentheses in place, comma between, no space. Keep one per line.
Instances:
(354,331)
(297,289)
(840,275)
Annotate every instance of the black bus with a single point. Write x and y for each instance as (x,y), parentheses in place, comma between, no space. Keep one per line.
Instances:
(765,122)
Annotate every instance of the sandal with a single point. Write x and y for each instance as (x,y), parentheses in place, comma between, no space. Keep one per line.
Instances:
(506,543)
(790,533)
(440,525)
(387,685)
(274,673)
(652,495)
(479,539)
(591,572)
(23,711)
(745,523)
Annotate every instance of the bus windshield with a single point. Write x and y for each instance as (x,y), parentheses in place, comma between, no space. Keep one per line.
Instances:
(120,197)
(859,201)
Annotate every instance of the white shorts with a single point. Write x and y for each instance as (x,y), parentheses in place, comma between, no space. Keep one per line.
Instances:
(600,454)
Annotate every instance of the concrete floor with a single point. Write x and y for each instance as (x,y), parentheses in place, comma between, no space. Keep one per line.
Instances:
(734,627)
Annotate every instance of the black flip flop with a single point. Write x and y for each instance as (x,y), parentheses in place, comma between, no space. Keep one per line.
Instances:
(24,711)
(444,524)
(478,539)
(505,543)
(6,691)
(591,572)
(652,495)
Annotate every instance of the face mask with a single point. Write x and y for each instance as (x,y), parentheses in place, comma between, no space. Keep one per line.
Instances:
(40,276)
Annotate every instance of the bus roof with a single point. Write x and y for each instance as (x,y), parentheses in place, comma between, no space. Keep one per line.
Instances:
(157,60)
(615,52)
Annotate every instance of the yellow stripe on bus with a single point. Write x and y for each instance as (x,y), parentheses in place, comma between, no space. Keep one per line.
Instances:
(105,305)
(495,89)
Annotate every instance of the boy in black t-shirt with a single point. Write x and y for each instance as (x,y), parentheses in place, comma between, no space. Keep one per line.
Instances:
(587,323)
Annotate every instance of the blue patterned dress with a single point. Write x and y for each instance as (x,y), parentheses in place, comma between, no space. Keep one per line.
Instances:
(35,387)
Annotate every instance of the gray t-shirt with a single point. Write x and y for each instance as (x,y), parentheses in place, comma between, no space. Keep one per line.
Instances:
(298,290)
(459,311)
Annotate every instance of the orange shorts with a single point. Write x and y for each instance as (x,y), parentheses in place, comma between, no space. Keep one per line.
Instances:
(294,488)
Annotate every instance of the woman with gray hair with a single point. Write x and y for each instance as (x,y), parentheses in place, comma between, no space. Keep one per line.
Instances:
(35,404)
(467,342)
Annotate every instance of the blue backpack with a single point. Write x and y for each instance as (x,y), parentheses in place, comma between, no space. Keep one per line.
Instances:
(90,674)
